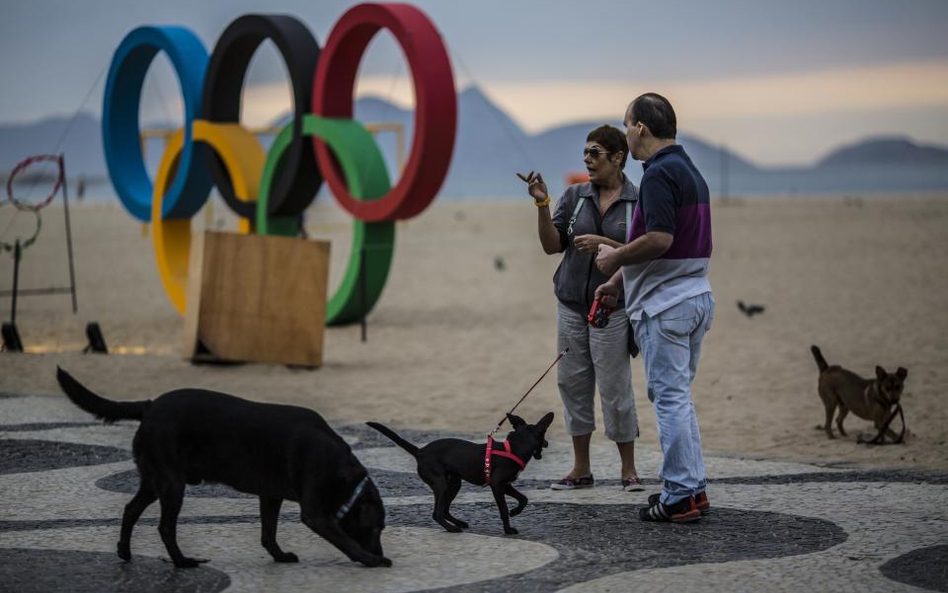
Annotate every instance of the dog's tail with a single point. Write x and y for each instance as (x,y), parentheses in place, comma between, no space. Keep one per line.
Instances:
(820,361)
(103,409)
(395,438)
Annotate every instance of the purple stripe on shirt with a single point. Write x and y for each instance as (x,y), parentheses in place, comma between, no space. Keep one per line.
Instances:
(692,232)
(638,224)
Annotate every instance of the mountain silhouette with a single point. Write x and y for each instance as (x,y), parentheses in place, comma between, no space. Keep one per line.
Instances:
(886,151)
(81,143)
(491,147)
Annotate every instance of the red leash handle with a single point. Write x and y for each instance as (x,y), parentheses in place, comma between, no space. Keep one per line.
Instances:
(598,314)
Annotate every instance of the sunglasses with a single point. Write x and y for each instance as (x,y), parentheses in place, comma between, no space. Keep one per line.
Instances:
(594,152)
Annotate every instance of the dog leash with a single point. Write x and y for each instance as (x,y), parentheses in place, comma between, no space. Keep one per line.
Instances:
(490,436)
(880,438)
(499,424)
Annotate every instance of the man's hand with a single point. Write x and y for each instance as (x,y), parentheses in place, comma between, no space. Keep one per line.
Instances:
(608,260)
(609,293)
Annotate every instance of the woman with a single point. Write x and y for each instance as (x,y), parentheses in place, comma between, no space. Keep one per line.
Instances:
(588,214)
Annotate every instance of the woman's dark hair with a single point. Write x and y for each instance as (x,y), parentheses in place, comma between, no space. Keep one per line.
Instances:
(611,139)
(657,114)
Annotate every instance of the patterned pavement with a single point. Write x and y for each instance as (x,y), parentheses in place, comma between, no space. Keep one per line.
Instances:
(64,481)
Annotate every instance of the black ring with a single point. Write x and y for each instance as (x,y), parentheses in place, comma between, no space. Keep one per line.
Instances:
(223,82)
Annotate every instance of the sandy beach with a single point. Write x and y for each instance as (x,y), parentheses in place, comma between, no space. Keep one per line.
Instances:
(455,340)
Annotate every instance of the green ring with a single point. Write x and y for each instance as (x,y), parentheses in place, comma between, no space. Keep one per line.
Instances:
(367,177)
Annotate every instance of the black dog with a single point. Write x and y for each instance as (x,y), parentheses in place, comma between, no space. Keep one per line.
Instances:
(277,452)
(443,463)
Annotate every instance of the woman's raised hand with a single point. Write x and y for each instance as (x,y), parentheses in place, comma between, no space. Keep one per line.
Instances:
(536,187)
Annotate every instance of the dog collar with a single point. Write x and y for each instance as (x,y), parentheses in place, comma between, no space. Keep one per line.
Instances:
(344,509)
(879,396)
(505,453)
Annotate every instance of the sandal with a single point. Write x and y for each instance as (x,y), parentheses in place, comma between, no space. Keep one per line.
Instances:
(569,483)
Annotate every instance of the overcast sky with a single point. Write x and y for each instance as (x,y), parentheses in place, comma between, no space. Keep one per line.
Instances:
(780,82)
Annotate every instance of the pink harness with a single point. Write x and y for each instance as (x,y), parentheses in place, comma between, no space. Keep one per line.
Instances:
(505,453)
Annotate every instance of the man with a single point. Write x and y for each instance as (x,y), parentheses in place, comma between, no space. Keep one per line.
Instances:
(663,269)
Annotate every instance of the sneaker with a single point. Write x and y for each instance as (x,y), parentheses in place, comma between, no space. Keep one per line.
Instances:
(569,483)
(683,511)
(701,501)
(633,484)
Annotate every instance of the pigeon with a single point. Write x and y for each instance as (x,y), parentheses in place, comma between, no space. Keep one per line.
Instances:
(750,310)
(499,264)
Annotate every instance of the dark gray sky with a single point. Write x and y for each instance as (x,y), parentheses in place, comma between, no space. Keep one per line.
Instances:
(780,81)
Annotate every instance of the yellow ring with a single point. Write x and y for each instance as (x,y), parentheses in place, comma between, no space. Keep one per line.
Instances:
(243,157)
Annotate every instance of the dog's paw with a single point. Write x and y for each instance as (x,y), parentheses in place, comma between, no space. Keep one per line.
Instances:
(286,557)
(373,561)
(516,511)
(189,562)
(124,552)
(510,531)
(452,528)
(461,524)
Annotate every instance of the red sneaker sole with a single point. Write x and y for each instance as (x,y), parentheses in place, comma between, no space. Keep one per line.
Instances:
(689,517)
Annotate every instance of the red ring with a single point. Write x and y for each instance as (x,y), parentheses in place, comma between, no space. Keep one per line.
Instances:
(435,105)
(21,166)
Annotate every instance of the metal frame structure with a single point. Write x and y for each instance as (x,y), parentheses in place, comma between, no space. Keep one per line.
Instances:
(17,255)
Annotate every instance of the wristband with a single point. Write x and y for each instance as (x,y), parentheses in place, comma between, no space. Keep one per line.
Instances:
(542,203)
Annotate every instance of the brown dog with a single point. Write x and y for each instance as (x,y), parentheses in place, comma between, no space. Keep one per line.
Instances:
(871,399)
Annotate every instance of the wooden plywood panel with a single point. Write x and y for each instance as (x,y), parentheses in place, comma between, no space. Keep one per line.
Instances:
(257,298)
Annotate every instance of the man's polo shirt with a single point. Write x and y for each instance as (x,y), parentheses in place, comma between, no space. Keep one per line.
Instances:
(673,198)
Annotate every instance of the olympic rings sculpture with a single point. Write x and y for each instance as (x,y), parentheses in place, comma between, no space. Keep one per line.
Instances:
(270,189)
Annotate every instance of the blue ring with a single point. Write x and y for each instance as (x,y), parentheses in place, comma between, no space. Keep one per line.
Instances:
(120,126)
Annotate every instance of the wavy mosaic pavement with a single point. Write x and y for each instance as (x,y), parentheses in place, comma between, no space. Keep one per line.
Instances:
(780,526)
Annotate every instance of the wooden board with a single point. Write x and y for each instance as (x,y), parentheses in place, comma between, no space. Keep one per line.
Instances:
(256,298)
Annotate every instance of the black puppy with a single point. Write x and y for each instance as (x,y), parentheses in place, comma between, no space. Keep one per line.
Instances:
(277,452)
(443,463)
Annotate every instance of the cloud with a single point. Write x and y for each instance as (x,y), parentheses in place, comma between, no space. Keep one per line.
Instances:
(789,118)
(780,119)
(261,104)
(539,105)
(909,84)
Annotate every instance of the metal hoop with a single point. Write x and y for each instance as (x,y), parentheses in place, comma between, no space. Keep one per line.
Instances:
(26,243)
(22,166)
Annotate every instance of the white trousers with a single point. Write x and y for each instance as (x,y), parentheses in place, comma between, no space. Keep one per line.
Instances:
(596,357)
